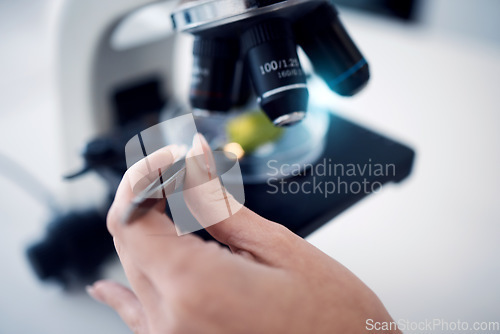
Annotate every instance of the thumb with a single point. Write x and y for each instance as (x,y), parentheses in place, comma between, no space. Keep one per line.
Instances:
(227,220)
(123,301)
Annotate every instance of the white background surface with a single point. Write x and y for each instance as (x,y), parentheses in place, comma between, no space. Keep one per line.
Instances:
(428,247)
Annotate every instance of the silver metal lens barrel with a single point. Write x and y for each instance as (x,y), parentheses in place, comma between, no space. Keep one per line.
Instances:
(202,15)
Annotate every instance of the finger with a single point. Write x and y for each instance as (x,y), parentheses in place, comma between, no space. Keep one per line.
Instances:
(154,222)
(227,220)
(151,242)
(203,191)
(133,181)
(123,301)
(141,284)
(148,169)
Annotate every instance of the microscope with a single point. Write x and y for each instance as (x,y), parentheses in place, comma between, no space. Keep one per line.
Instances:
(246,80)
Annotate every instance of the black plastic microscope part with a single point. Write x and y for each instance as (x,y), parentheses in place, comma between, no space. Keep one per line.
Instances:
(132,100)
(402,9)
(274,68)
(74,248)
(104,155)
(212,78)
(263,3)
(242,89)
(332,52)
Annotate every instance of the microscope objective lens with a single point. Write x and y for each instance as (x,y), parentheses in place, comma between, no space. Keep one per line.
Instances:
(275,71)
(212,77)
(332,52)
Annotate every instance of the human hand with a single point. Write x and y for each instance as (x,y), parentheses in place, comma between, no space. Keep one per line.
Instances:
(270,281)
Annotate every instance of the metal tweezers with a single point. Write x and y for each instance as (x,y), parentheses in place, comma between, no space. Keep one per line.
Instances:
(148,198)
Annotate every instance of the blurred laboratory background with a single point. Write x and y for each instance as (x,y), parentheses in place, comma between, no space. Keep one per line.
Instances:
(429,247)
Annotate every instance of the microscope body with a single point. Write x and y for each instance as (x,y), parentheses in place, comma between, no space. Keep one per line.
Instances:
(104,88)
(107,95)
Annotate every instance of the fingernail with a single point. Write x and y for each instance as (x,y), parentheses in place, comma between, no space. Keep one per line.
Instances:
(117,246)
(182,151)
(90,290)
(197,148)
(203,154)
(203,141)
(208,154)
(195,154)
(175,150)
(93,293)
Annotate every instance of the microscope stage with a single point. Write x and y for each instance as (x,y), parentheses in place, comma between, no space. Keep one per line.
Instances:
(355,162)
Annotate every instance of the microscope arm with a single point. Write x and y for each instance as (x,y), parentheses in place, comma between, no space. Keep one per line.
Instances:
(82,50)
